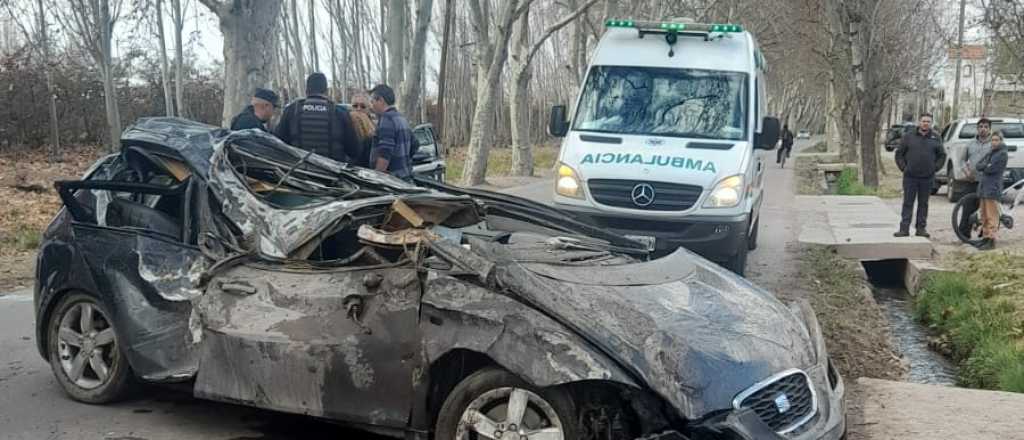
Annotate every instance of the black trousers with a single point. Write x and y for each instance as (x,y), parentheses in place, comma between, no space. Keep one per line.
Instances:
(970,206)
(919,189)
(782,150)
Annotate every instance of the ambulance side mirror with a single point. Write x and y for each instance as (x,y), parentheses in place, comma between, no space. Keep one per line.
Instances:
(769,135)
(558,126)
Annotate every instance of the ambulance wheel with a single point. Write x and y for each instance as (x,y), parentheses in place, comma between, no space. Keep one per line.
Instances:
(752,241)
(738,263)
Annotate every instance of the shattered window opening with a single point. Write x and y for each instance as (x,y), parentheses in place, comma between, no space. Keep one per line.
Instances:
(671,102)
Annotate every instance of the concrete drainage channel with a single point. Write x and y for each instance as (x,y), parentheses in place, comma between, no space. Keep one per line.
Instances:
(910,337)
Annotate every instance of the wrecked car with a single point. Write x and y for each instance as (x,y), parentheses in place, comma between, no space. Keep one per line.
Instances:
(260,275)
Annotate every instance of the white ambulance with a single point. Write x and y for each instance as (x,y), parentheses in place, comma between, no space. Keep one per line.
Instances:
(661,147)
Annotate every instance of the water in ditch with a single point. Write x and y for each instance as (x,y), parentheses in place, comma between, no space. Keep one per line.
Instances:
(910,337)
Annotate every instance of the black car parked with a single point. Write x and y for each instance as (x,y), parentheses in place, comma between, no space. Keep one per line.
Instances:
(228,262)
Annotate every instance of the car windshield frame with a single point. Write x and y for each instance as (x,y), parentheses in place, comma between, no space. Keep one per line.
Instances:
(970,130)
(597,94)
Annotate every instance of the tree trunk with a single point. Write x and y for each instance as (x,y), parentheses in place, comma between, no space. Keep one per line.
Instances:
(164,67)
(870,118)
(107,68)
(249,28)
(314,54)
(522,154)
(410,98)
(442,76)
(179,58)
(300,57)
(44,48)
(382,42)
(487,91)
(395,36)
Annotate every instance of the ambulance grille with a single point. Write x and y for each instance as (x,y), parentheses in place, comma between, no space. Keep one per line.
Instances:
(667,196)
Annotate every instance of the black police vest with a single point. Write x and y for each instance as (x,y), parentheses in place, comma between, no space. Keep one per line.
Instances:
(314,130)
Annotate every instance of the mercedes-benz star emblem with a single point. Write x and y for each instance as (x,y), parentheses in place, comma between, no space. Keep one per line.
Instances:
(642,195)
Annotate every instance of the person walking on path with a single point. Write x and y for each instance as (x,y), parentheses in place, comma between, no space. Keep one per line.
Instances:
(258,113)
(965,179)
(391,154)
(990,170)
(787,144)
(919,156)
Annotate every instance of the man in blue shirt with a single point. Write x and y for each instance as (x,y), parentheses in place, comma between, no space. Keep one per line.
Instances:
(391,153)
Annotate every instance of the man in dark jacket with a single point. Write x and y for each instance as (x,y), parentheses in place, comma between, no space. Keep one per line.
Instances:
(258,113)
(316,124)
(990,169)
(391,153)
(787,144)
(919,156)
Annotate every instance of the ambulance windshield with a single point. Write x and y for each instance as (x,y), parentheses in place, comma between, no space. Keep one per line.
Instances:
(656,101)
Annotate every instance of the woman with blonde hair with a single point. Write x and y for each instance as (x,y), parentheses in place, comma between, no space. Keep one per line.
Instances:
(366,130)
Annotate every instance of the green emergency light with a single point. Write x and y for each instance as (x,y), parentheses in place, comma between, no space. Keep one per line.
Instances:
(656,26)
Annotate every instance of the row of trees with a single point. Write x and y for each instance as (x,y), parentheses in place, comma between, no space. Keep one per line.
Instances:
(835,65)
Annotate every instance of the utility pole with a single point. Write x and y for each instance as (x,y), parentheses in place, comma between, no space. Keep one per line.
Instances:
(959,62)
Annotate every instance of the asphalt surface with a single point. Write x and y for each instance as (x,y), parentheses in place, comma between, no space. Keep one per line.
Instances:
(33,406)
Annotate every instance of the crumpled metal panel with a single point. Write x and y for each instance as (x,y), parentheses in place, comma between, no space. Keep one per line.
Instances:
(697,342)
(461,315)
(290,340)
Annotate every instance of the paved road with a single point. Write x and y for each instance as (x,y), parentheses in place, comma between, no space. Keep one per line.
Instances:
(33,407)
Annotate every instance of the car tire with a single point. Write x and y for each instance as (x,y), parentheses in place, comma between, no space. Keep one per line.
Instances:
(752,241)
(953,192)
(482,399)
(102,377)
(738,263)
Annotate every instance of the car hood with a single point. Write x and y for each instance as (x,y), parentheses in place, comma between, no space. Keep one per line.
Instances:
(693,332)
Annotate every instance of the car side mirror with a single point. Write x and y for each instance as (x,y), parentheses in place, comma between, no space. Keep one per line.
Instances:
(558,126)
(769,135)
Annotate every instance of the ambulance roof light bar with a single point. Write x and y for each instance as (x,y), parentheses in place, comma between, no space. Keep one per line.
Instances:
(667,27)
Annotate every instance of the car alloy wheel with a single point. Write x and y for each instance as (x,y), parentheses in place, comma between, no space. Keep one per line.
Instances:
(510,413)
(84,351)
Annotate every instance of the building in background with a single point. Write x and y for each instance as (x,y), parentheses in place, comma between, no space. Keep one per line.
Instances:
(986,89)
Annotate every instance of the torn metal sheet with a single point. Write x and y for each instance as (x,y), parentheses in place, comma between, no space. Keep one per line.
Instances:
(466,316)
(695,345)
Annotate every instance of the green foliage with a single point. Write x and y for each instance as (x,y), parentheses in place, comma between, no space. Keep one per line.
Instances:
(981,315)
(22,238)
(848,184)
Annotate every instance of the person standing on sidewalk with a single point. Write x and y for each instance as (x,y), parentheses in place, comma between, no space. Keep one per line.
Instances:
(965,179)
(990,170)
(919,156)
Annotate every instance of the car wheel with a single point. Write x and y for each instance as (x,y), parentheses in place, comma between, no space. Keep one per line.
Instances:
(84,351)
(493,403)
(752,241)
(738,262)
(953,192)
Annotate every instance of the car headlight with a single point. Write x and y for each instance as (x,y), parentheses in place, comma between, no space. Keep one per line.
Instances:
(727,193)
(568,184)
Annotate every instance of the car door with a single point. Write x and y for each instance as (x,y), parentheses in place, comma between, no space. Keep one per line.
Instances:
(340,343)
(132,242)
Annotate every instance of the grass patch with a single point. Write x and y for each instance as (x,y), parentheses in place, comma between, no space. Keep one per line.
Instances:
(855,328)
(21,238)
(848,184)
(979,314)
(499,162)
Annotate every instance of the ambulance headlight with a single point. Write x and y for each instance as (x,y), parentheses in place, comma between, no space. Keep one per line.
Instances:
(727,193)
(568,184)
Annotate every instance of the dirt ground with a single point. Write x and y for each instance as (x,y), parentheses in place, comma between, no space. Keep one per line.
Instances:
(29,203)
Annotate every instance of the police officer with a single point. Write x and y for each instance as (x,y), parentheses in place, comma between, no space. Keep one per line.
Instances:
(258,113)
(316,124)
